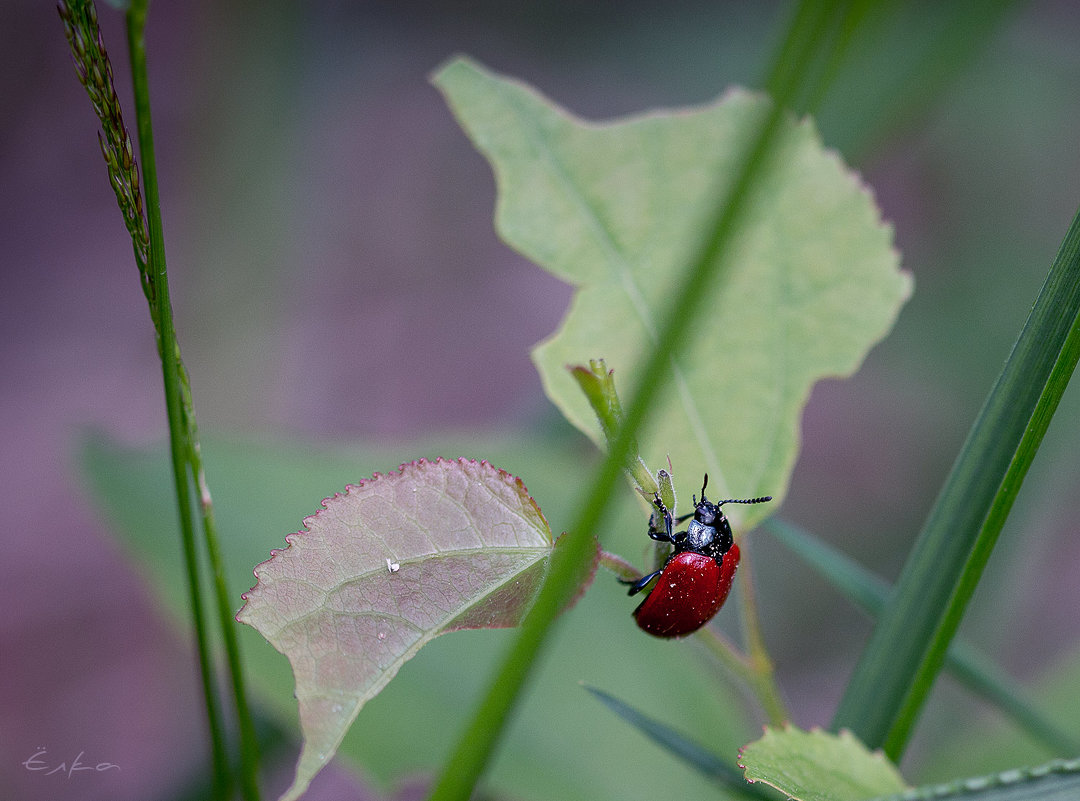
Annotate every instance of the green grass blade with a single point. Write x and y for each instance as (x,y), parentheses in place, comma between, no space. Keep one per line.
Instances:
(979,673)
(699,758)
(143,222)
(1055,781)
(965,663)
(860,586)
(473,751)
(171,366)
(961,32)
(908,646)
(182,429)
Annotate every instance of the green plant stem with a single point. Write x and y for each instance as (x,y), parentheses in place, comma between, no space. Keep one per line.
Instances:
(909,643)
(185,451)
(727,654)
(166,344)
(468,759)
(597,383)
(249,745)
(619,566)
(754,671)
(762,675)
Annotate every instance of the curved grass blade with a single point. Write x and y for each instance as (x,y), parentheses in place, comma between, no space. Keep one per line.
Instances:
(968,665)
(699,758)
(1055,781)
(468,760)
(908,646)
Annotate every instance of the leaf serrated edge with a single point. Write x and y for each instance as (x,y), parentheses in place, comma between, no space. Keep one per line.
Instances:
(300,784)
(402,470)
(589,574)
(844,735)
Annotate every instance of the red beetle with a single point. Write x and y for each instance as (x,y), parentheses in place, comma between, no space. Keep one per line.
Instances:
(695,580)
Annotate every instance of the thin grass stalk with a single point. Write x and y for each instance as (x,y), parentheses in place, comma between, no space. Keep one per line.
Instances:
(183,436)
(762,674)
(907,649)
(673,741)
(474,749)
(973,669)
(95,72)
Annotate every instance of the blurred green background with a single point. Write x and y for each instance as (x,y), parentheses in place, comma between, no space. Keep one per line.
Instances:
(344,305)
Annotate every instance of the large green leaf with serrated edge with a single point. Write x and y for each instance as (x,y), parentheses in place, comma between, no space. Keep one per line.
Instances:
(819,766)
(617,209)
(383,568)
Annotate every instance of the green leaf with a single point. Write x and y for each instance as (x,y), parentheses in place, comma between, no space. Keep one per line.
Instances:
(616,209)
(818,766)
(907,649)
(383,569)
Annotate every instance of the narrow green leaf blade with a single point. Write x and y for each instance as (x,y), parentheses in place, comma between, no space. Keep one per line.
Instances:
(969,666)
(1055,781)
(908,646)
(706,262)
(860,586)
(667,737)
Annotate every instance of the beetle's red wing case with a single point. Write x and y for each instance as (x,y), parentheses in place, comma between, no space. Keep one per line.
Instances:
(689,591)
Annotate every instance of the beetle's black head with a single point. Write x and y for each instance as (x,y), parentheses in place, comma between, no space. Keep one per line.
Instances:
(706,512)
(710,531)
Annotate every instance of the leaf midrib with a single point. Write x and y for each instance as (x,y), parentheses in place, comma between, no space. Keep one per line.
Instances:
(624,278)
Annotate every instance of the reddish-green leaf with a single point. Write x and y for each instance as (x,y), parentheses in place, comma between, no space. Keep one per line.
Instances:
(384,568)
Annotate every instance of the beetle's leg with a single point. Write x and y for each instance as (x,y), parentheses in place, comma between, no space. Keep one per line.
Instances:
(655,532)
(640,584)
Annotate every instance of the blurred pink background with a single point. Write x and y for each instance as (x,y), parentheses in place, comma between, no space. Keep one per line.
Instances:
(319,199)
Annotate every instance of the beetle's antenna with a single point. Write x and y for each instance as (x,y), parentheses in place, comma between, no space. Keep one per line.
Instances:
(762,499)
(704,484)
